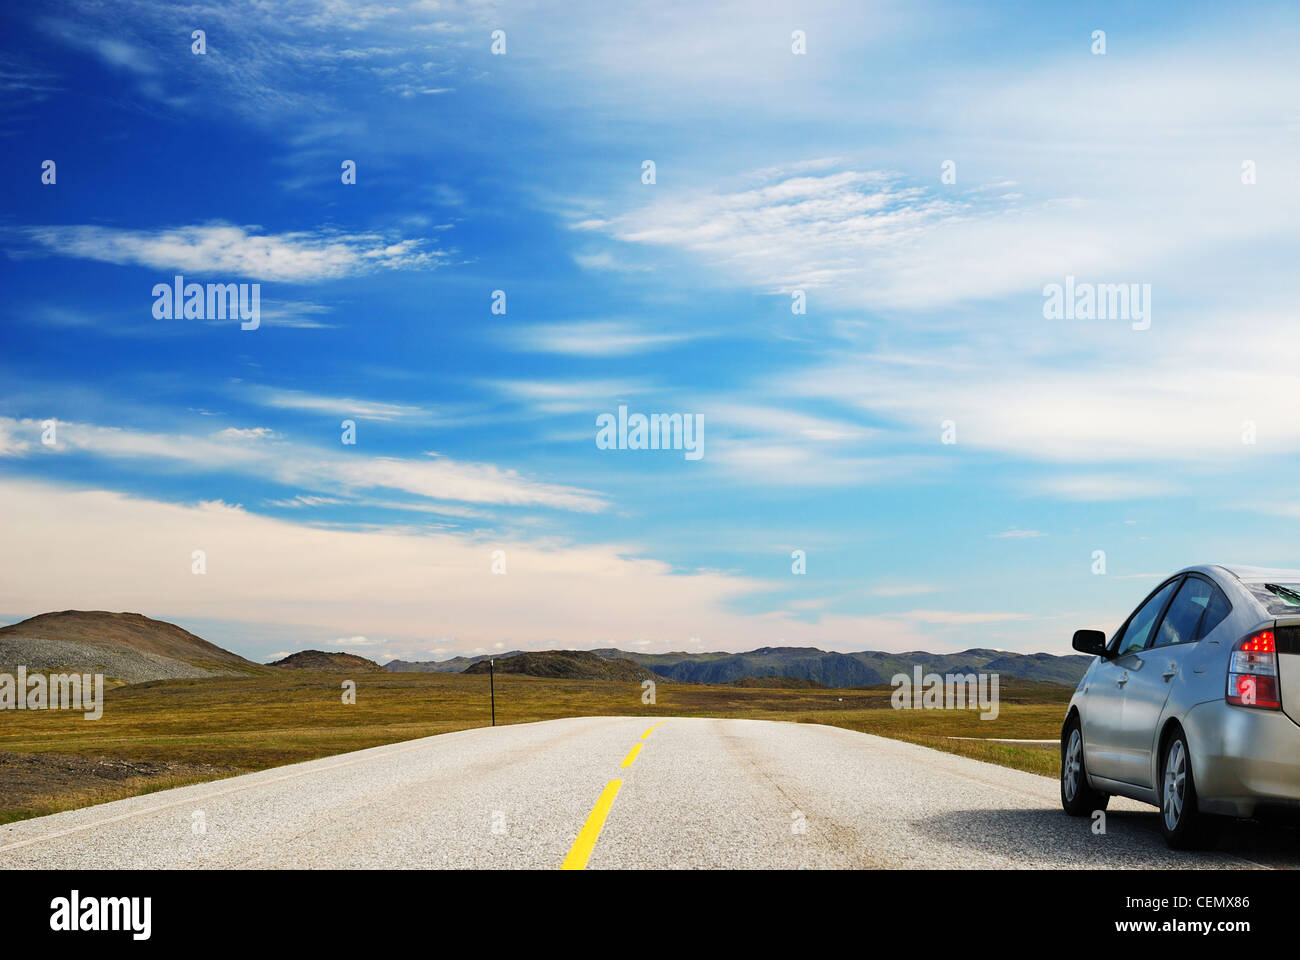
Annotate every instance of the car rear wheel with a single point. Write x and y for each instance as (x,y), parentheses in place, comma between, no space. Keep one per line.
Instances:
(1185,827)
(1077,797)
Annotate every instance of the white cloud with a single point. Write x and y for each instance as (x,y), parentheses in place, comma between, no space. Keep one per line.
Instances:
(741,419)
(729,57)
(12,445)
(357,641)
(444,479)
(569,396)
(773,445)
(1108,486)
(227,250)
(296,465)
(605,260)
(1017,534)
(333,406)
(294,313)
(770,445)
(866,238)
(599,338)
(95,549)
(1088,393)
(272,64)
(848,231)
(249,433)
(1197,103)
(302,500)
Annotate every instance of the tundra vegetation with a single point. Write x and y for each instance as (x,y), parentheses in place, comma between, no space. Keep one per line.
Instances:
(168,733)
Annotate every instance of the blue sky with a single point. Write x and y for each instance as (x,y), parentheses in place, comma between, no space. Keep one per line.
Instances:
(522,172)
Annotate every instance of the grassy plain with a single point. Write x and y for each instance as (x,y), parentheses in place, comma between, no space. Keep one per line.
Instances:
(169,733)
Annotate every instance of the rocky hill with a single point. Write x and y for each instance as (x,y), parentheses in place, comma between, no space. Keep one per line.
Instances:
(124,647)
(569,664)
(330,662)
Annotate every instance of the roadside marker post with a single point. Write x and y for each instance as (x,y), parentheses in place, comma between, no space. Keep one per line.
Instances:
(492,683)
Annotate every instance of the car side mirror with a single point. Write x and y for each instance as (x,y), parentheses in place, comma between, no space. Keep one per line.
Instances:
(1090,641)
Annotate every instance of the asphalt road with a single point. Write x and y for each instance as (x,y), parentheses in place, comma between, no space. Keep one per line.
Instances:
(699,793)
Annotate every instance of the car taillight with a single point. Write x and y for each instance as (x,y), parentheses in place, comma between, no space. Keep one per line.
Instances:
(1252,672)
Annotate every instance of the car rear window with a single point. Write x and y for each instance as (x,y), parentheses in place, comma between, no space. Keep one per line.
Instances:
(1276,605)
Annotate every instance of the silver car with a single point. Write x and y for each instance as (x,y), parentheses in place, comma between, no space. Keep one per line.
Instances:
(1193,705)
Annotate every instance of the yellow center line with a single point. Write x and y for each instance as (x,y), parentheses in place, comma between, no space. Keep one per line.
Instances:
(650,731)
(580,852)
(631,756)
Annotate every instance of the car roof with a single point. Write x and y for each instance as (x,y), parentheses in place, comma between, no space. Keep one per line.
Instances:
(1249,574)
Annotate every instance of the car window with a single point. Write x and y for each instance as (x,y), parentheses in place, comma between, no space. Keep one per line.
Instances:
(1277,604)
(1215,612)
(1182,624)
(1140,626)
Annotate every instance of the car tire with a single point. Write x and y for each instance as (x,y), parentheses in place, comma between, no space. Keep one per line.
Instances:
(1181,821)
(1078,798)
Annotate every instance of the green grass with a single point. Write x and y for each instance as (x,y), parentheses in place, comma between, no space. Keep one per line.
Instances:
(71,799)
(241,724)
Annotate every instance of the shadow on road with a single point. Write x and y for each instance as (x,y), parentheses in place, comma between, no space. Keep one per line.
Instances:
(1049,838)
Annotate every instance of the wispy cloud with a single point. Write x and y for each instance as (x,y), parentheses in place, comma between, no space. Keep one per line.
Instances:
(302,500)
(333,406)
(117,51)
(260,57)
(228,250)
(294,313)
(864,237)
(1085,393)
(593,338)
(770,445)
(1108,486)
(568,396)
(22,83)
(255,452)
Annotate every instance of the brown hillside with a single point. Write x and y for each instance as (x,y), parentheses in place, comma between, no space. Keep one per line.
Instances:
(333,662)
(570,665)
(101,628)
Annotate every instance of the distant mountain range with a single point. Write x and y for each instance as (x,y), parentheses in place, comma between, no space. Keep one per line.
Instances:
(569,664)
(130,648)
(454,665)
(863,669)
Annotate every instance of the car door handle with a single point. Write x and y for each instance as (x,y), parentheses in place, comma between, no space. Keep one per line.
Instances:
(1170,672)
(1122,680)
